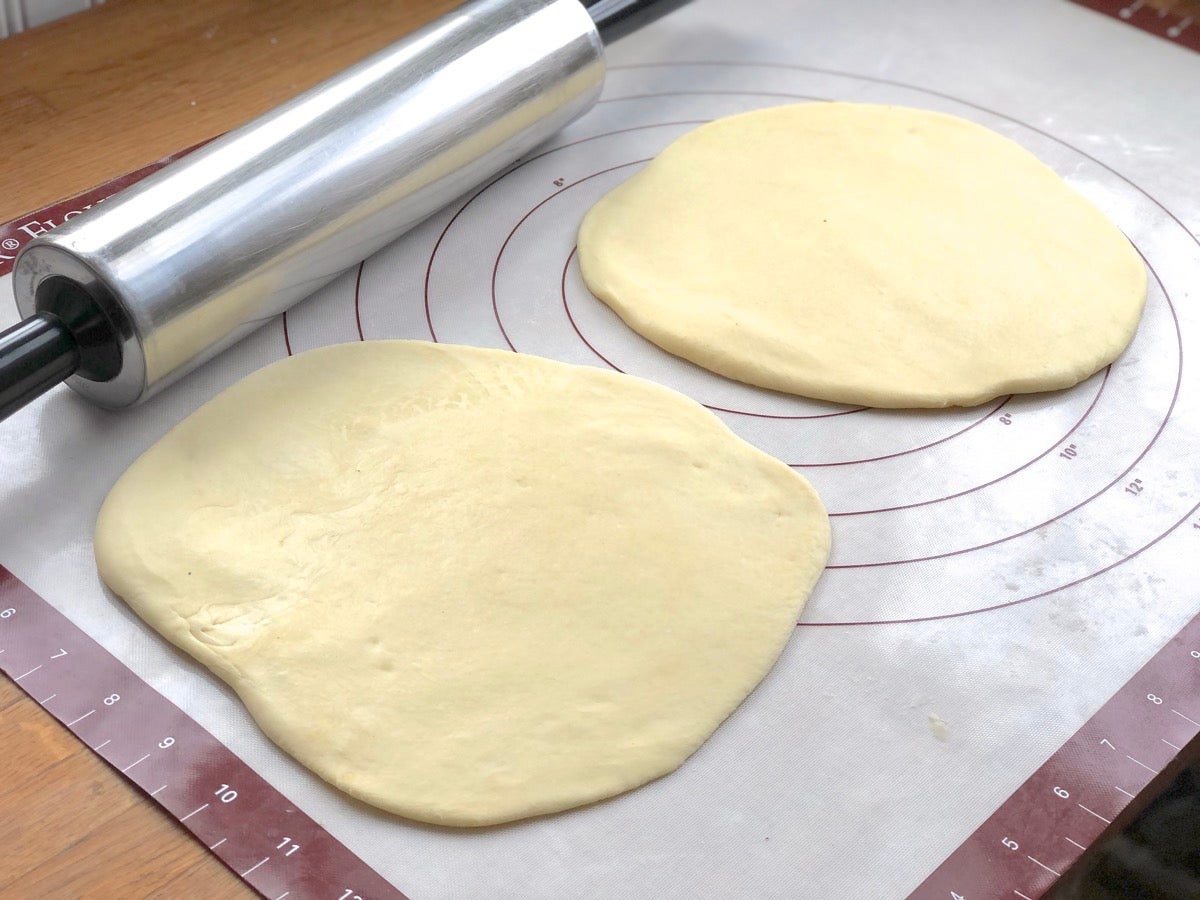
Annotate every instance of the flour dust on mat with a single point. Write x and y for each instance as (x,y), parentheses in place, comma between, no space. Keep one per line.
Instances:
(467,586)
(865,254)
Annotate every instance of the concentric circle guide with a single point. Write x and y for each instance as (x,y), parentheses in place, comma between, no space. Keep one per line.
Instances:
(518,287)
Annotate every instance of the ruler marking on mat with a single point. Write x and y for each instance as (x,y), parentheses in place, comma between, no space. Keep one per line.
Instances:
(1094,813)
(134,763)
(130,720)
(1185,718)
(26,675)
(194,811)
(1044,866)
(255,866)
(1140,763)
(1085,773)
(1173,25)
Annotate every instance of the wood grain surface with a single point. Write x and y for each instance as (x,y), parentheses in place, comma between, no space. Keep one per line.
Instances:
(83,100)
(109,90)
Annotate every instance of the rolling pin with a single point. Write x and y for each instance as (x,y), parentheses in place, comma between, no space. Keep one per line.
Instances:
(134,293)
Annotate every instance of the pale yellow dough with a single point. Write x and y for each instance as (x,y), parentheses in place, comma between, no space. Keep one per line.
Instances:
(865,254)
(467,586)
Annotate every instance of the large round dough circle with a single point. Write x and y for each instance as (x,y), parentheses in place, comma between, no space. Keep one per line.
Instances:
(467,586)
(865,254)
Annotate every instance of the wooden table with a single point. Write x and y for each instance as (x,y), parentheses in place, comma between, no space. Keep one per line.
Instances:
(83,100)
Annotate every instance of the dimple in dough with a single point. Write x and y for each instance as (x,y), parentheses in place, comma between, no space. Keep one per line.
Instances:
(467,586)
(865,254)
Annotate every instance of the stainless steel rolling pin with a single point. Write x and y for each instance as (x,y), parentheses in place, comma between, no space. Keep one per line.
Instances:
(139,290)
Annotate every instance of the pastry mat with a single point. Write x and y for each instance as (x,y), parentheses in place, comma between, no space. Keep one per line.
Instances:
(1002,652)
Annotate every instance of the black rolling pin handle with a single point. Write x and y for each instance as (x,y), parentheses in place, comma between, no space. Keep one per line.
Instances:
(616,18)
(70,333)
(35,355)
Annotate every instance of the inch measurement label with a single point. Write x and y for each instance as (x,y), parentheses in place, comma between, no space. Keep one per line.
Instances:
(1068,803)
(243,820)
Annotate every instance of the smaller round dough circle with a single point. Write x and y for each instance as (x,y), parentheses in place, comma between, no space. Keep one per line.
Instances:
(865,254)
(467,586)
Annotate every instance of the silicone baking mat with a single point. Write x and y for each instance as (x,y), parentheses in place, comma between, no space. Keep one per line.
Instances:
(1011,586)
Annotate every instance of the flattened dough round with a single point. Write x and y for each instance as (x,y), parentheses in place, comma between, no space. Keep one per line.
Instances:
(865,254)
(467,586)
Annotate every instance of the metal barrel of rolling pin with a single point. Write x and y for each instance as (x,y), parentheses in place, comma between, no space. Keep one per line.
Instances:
(142,288)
